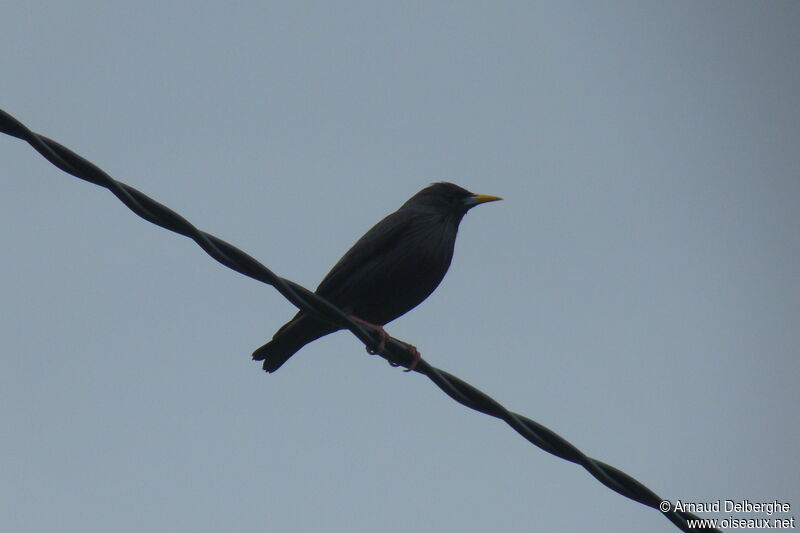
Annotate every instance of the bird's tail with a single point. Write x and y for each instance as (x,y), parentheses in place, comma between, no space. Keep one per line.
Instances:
(289,339)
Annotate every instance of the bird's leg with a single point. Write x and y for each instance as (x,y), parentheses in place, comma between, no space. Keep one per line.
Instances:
(415,355)
(382,332)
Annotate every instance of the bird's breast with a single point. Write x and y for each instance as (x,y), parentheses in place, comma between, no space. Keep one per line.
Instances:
(403,277)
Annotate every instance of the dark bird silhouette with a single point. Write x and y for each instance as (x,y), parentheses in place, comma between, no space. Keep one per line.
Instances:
(389,271)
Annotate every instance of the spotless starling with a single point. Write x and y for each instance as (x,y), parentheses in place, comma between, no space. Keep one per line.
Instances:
(388,272)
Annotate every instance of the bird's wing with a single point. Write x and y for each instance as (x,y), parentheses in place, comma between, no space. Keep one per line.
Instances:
(382,237)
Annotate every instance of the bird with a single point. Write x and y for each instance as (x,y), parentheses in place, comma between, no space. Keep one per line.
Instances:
(389,271)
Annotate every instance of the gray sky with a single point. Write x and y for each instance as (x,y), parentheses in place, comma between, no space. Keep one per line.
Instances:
(637,292)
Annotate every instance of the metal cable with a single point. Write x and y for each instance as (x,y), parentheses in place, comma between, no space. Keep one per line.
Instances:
(395,351)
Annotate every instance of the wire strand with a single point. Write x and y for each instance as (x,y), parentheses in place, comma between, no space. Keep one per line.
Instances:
(395,351)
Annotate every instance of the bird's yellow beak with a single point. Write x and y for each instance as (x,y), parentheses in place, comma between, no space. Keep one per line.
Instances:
(480,199)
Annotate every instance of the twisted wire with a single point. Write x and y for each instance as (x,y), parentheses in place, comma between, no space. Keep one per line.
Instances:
(395,351)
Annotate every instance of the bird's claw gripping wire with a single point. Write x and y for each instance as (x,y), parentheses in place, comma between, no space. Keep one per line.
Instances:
(381,332)
(415,355)
(415,358)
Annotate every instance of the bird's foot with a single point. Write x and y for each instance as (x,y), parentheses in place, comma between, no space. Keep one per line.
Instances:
(415,355)
(381,332)
(415,358)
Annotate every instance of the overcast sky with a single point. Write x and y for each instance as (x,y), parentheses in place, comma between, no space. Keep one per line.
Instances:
(638,291)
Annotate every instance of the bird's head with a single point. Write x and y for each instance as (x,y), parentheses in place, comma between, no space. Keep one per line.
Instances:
(448,199)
